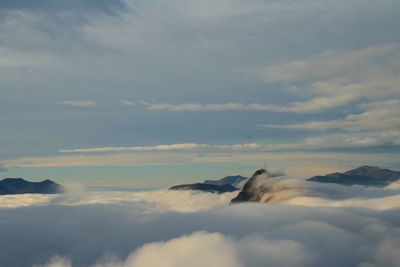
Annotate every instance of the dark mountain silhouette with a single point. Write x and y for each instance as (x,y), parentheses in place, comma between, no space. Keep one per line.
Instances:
(9,186)
(232,180)
(365,175)
(255,188)
(223,185)
(206,187)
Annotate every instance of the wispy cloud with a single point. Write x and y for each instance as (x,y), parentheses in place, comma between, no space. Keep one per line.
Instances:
(298,164)
(314,143)
(126,102)
(313,105)
(337,78)
(378,115)
(77,103)
(186,146)
(332,79)
(331,64)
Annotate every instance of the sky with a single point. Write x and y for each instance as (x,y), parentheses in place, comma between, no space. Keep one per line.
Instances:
(151,93)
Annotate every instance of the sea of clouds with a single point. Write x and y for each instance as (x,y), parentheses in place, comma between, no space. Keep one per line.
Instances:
(314,225)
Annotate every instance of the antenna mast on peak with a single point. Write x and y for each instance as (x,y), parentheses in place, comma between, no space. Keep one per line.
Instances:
(265,165)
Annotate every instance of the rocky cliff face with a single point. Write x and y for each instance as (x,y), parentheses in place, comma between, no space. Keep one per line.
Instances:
(260,188)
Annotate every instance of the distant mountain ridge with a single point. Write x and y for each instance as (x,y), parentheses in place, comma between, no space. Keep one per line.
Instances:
(231,180)
(226,184)
(205,187)
(364,175)
(12,186)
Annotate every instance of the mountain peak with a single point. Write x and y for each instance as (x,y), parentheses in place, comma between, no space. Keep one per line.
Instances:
(364,175)
(13,179)
(22,186)
(234,180)
(252,191)
(205,187)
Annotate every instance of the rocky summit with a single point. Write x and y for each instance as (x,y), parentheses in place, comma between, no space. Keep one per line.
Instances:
(255,188)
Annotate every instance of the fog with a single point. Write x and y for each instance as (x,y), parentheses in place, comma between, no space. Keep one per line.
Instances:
(325,225)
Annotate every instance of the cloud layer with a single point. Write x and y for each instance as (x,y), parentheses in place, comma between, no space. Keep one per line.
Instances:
(334,225)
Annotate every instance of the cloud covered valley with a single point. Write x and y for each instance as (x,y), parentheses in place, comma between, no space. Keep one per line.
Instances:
(318,225)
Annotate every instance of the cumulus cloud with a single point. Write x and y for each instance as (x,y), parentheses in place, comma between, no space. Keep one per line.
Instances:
(211,249)
(77,103)
(198,249)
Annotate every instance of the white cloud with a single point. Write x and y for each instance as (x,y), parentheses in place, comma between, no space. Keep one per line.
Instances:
(56,261)
(296,164)
(339,78)
(197,250)
(334,78)
(279,189)
(126,103)
(151,201)
(332,64)
(353,140)
(78,103)
(187,146)
(313,105)
(339,230)
(378,115)
(383,203)
(24,200)
(386,252)
(208,249)
(339,140)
